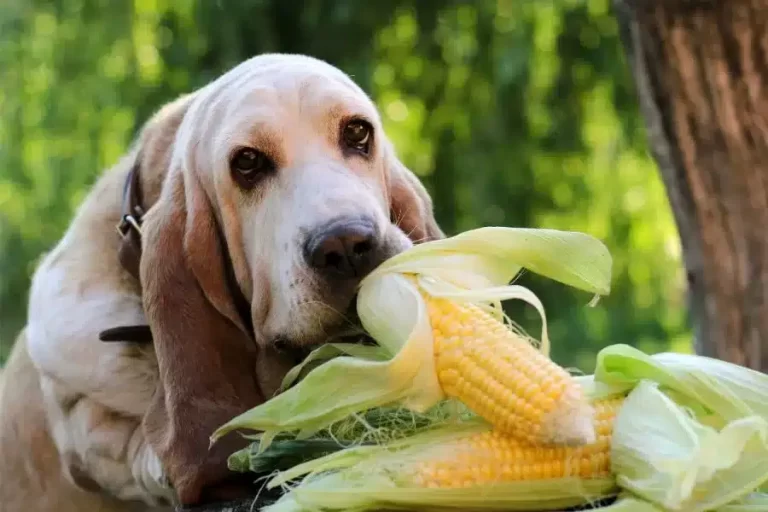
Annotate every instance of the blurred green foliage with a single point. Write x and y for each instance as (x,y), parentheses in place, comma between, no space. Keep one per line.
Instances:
(513,112)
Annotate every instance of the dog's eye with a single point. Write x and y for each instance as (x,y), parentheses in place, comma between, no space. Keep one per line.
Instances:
(357,135)
(248,165)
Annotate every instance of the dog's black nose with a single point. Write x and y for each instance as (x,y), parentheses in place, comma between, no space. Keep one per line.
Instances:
(345,249)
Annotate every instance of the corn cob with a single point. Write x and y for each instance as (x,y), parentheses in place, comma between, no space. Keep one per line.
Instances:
(492,457)
(504,379)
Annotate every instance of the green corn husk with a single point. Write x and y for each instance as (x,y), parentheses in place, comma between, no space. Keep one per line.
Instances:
(374,427)
(666,453)
(753,502)
(474,266)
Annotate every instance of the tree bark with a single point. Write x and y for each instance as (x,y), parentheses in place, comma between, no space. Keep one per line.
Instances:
(701,74)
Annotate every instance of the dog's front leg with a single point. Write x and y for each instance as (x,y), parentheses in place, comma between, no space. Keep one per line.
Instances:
(102,450)
(94,394)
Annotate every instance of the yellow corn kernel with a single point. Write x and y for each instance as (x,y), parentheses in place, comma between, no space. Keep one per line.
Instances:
(492,457)
(504,379)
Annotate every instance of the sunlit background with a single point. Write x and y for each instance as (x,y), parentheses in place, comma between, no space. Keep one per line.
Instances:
(513,112)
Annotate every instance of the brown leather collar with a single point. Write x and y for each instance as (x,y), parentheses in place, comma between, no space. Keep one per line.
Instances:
(129,227)
(129,254)
(129,251)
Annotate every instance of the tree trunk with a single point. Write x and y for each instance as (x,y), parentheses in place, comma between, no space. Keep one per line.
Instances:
(701,74)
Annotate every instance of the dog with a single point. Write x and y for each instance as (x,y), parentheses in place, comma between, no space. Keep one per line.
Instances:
(231,236)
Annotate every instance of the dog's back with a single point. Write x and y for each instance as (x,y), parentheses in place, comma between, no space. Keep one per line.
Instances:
(32,479)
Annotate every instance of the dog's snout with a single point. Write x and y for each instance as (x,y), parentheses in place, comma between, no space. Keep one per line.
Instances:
(345,249)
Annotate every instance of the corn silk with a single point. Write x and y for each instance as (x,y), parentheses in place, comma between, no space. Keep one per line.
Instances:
(691,434)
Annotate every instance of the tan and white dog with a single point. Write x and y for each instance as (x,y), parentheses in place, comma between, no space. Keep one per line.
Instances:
(248,210)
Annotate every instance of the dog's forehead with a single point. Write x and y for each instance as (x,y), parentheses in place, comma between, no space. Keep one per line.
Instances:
(287,81)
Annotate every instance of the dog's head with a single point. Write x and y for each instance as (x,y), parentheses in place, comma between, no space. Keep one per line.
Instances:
(279,187)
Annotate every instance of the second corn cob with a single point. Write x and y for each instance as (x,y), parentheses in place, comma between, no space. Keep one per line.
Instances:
(492,457)
(504,379)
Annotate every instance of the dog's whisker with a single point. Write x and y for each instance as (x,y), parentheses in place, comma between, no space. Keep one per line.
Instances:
(344,317)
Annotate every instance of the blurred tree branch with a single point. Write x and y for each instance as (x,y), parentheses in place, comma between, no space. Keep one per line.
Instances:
(700,69)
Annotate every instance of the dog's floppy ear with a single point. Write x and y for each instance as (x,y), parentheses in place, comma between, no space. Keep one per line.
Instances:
(205,354)
(410,203)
